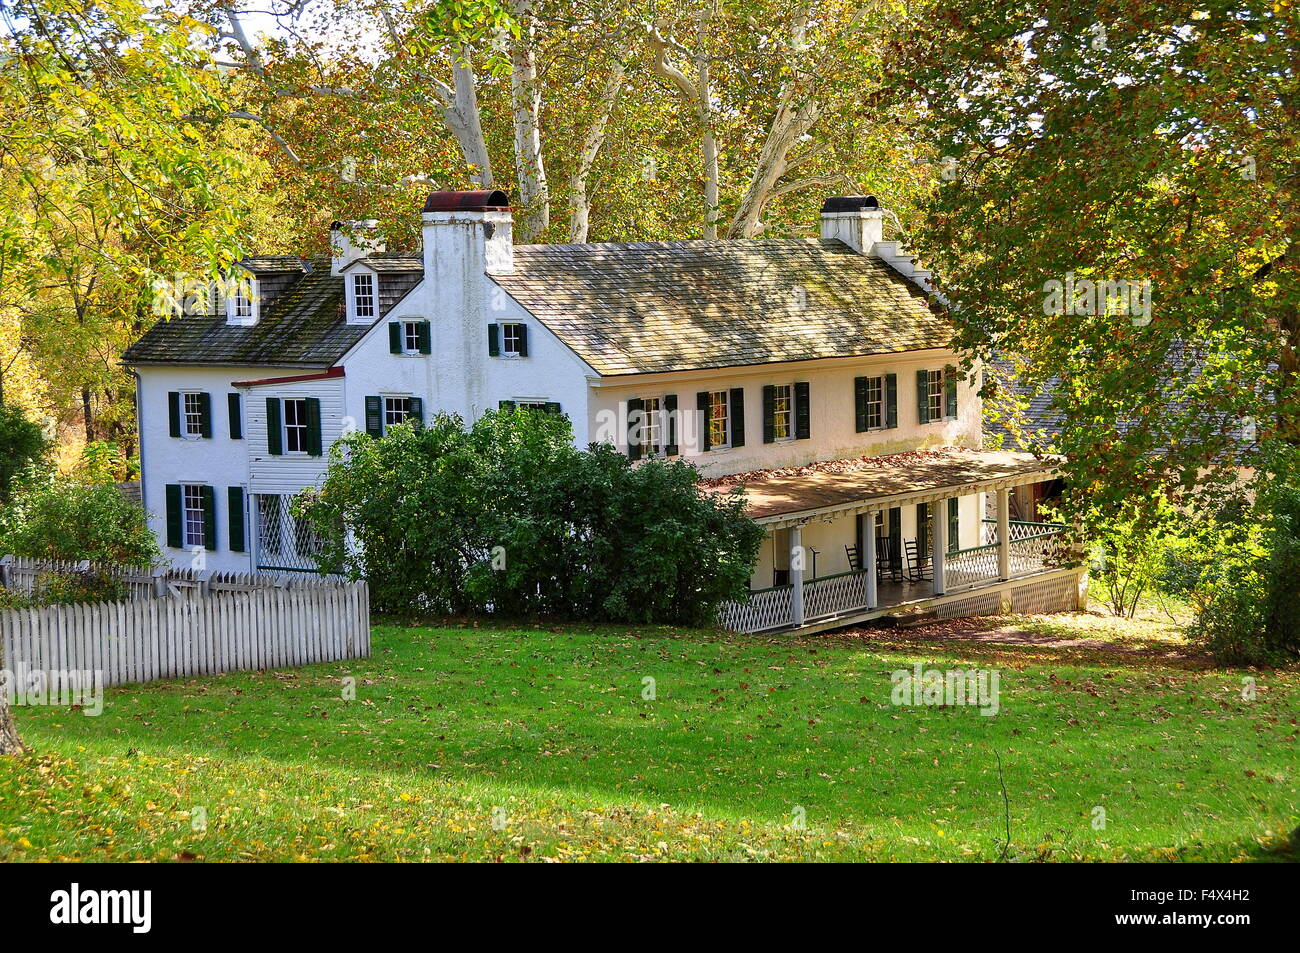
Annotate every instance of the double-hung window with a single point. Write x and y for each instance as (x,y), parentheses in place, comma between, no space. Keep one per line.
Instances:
(396,410)
(651,426)
(192,414)
(934,394)
(411,337)
(295,425)
(195,524)
(783,411)
(512,336)
(364,303)
(875,402)
(719,422)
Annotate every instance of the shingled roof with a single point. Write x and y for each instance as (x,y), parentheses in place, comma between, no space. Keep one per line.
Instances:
(301,325)
(643,307)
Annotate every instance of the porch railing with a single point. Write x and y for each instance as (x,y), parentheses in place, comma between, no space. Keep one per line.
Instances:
(831,595)
(762,609)
(968,567)
(1020,529)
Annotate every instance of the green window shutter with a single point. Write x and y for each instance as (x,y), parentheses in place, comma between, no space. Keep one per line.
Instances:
(233,405)
(737,416)
(895,538)
(769,413)
(860,404)
(523,340)
(494,340)
(553,407)
(425,336)
(274,433)
(416,412)
(505,405)
(954,525)
(802,411)
(891,400)
(209,518)
(395,337)
(375,416)
(175,519)
(313,426)
(702,405)
(923,396)
(950,392)
(670,405)
(174,413)
(235,518)
(922,530)
(635,410)
(205,414)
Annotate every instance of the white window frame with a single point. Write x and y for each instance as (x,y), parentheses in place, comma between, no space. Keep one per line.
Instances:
(298,427)
(788,413)
(193,516)
(876,402)
(410,336)
(506,349)
(191,419)
(934,395)
(652,426)
(355,301)
(725,418)
(243,305)
(388,410)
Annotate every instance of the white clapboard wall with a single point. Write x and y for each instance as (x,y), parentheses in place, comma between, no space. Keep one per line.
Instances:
(148,639)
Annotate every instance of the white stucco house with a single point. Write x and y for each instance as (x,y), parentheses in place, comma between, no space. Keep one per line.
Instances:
(814,371)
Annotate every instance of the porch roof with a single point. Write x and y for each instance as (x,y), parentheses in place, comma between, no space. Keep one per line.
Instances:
(833,488)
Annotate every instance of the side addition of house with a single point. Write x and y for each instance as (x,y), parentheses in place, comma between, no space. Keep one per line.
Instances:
(816,372)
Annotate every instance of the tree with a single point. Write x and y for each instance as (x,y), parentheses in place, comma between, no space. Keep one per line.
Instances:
(1116,205)
(22,443)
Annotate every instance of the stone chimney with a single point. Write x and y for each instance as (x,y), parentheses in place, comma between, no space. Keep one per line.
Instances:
(345,248)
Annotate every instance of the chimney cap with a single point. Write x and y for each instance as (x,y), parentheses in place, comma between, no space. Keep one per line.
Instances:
(851,203)
(493,199)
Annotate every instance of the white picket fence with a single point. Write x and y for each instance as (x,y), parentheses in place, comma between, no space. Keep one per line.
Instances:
(147,639)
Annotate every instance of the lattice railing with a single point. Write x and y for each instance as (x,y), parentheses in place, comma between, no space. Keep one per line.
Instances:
(762,609)
(832,595)
(968,567)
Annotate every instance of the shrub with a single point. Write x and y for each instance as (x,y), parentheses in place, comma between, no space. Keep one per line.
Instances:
(510,518)
(58,518)
(22,444)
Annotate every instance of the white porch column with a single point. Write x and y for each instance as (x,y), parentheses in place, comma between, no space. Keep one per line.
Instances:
(869,556)
(1004,534)
(938,542)
(796,574)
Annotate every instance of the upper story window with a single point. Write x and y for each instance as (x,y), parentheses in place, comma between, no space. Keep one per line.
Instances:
(936,393)
(189,414)
(512,340)
(719,422)
(651,426)
(241,300)
(365,299)
(783,411)
(874,402)
(295,425)
(243,304)
(193,414)
(411,337)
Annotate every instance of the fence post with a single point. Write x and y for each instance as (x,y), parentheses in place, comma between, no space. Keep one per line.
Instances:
(5,563)
(160,582)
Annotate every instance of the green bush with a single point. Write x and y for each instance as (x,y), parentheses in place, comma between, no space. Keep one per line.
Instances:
(58,518)
(22,444)
(66,588)
(509,518)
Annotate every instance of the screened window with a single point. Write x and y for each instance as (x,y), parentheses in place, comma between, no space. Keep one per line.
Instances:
(719,419)
(396,410)
(195,534)
(295,426)
(783,411)
(512,337)
(363,296)
(934,394)
(193,415)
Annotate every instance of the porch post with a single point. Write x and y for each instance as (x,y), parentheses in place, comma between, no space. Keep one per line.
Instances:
(796,574)
(869,556)
(1004,534)
(938,542)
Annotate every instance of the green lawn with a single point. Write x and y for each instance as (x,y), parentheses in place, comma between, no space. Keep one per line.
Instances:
(457,733)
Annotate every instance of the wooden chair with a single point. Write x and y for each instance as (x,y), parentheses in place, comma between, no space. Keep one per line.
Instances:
(918,563)
(889,563)
(855,560)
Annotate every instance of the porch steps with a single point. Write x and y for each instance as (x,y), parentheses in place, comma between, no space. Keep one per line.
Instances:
(908,618)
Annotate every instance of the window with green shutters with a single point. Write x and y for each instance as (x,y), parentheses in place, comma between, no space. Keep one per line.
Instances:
(635,425)
(234,409)
(875,402)
(314,444)
(494,340)
(936,395)
(410,337)
(787,412)
(189,414)
(375,415)
(191,516)
(274,435)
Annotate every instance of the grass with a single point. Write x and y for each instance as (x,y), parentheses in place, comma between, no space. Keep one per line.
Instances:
(537,744)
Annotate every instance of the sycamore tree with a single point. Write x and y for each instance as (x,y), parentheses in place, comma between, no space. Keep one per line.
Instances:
(1114,206)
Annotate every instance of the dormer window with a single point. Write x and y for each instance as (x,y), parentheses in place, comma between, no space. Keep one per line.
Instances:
(365,303)
(243,305)
(241,301)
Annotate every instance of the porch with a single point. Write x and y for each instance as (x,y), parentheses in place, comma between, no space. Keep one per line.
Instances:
(897,534)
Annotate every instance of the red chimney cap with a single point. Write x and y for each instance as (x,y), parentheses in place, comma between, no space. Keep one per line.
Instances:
(483,201)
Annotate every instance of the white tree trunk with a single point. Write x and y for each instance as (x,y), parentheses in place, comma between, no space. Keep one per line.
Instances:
(579,201)
(526,105)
